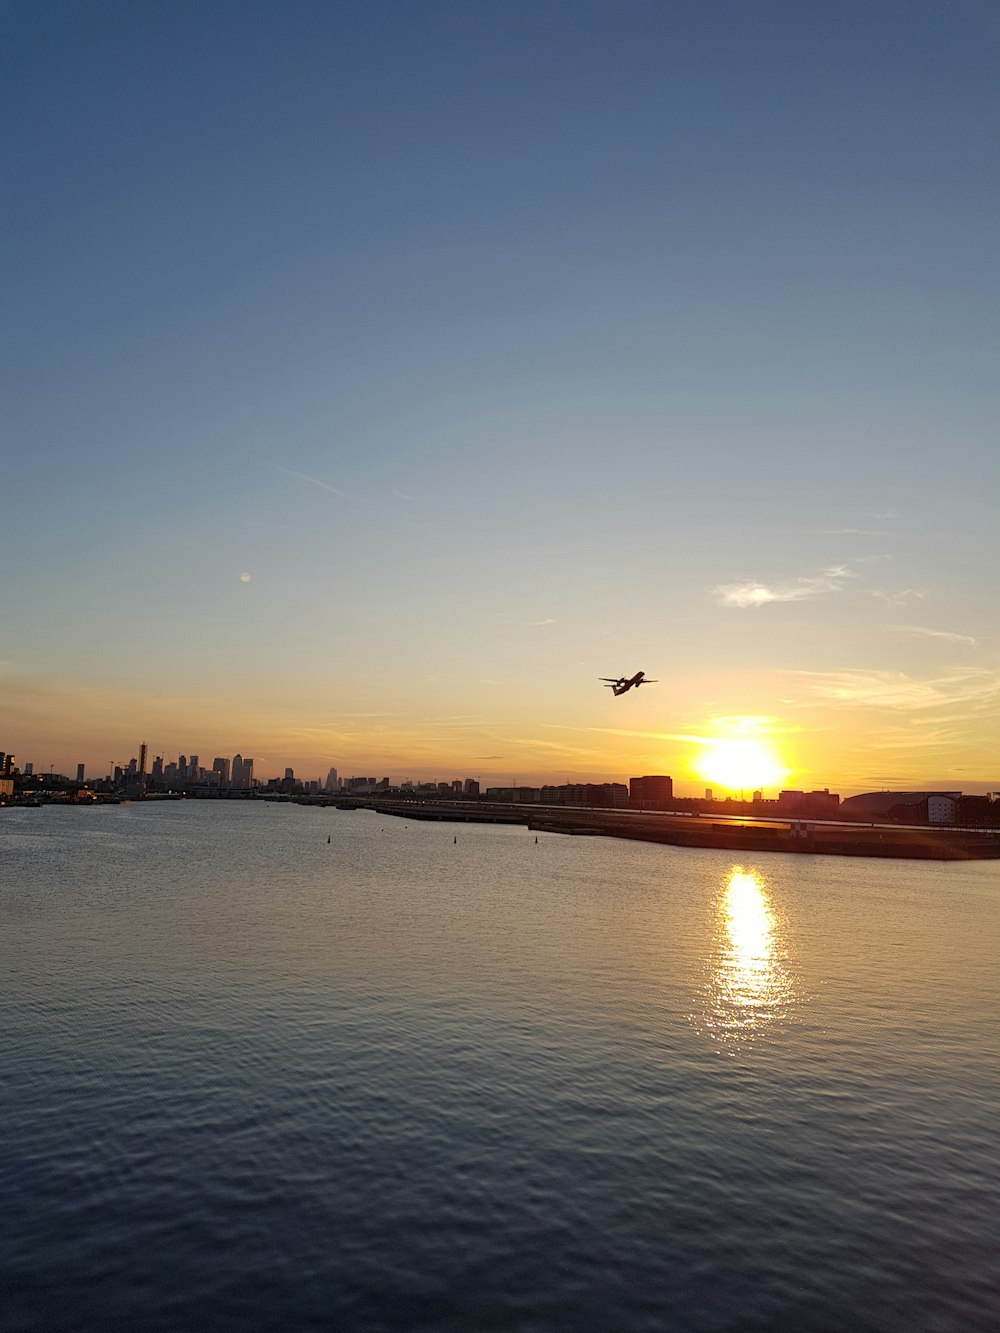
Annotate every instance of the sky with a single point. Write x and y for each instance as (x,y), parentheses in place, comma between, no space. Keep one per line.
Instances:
(378,376)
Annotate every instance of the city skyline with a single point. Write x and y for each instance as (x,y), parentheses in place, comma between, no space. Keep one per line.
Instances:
(170,768)
(378,379)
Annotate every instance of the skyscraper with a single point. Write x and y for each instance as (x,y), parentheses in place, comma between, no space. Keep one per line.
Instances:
(221,766)
(331,780)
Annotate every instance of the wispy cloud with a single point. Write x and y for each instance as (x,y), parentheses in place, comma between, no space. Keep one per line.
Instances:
(313,481)
(895,600)
(894,689)
(945,634)
(372,506)
(852,532)
(536,743)
(754,594)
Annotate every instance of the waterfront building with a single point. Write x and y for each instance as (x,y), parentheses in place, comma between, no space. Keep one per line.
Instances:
(606,795)
(331,780)
(221,766)
(651,793)
(471,787)
(814,804)
(877,804)
(514,795)
(79,774)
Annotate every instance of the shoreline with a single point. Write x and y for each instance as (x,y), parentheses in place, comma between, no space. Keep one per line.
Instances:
(700,832)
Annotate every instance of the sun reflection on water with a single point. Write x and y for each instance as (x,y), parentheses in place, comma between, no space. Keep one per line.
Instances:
(750,986)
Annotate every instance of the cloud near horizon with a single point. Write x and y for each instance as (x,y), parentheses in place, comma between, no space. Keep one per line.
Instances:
(754,594)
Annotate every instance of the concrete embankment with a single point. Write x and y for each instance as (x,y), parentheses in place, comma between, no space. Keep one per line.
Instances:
(796,837)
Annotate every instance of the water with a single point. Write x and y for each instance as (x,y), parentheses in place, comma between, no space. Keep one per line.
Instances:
(255,1080)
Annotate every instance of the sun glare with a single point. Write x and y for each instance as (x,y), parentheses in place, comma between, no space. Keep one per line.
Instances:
(740,764)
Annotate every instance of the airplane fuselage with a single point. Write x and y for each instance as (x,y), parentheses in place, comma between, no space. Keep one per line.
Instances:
(623,685)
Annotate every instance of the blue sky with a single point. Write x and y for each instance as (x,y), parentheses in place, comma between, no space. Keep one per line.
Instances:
(503,347)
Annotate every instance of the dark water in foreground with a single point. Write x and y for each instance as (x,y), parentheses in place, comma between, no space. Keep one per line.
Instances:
(252,1080)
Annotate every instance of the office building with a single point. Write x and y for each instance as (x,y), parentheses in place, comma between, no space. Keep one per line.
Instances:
(651,793)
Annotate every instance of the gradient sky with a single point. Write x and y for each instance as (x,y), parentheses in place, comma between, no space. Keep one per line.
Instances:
(376,376)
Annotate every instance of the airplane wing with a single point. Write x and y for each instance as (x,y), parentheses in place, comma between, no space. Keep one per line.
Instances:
(647,682)
(614,680)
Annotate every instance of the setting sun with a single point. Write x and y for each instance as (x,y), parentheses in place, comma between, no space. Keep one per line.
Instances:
(740,764)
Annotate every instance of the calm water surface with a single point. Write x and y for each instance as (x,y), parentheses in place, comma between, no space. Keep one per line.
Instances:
(252,1079)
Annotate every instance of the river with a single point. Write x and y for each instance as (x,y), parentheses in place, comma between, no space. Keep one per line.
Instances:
(253,1078)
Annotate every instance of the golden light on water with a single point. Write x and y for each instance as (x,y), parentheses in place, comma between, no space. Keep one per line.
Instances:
(750,986)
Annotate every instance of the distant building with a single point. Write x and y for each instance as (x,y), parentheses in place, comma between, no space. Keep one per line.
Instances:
(79,774)
(607,795)
(29,769)
(808,804)
(877,804)
(221,766)
(651,793)
(941,809)
(514,795)
(331,780)
(470,787)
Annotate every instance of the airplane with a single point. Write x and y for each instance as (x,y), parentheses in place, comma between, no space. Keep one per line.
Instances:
(622,685)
